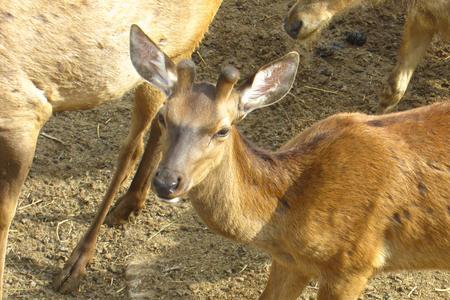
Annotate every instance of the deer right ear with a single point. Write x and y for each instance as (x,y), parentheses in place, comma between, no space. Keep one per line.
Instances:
(151,62)
(269,84)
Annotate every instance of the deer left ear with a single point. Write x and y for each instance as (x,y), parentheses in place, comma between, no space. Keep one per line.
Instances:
(151,62)
(269,84)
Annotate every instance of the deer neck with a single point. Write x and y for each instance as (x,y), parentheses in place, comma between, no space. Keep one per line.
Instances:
(242,196)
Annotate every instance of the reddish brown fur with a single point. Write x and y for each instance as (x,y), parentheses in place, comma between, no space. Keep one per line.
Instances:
(69,55)
(425,20)
(341,201)
(351,196)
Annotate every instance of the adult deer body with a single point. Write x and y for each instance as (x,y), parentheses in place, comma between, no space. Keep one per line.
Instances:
(351,196)
(425,20)
(69,55)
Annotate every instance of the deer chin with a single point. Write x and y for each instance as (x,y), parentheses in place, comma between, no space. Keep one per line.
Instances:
(169,201)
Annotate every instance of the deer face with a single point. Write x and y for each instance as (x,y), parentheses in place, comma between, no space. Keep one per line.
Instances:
(198,119)
(308,17)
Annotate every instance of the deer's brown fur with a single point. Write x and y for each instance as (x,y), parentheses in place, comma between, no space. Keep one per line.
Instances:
(350,196)
(69,55)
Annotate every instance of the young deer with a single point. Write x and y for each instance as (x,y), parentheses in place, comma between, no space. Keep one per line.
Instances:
(69,55)
(351,196)
(425,20)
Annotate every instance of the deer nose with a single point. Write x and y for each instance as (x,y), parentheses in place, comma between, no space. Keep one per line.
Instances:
(293,28)
(166,183)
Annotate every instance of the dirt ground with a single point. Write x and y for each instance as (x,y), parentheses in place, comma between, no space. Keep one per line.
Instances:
(167,253)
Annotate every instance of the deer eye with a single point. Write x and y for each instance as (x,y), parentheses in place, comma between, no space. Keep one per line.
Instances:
(222,133)
(161,120)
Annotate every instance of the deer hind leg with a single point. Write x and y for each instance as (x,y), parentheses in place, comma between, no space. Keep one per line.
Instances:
(134,199)
(14,166)
(417,37)
(147,102)
(284,283)
(23,112)
(346,286)
(17,147)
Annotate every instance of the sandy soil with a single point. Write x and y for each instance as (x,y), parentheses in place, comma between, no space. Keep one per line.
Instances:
(167,253)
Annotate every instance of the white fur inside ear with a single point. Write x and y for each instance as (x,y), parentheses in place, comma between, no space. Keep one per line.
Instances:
(151,62)
(265,83)
(259,88)
(269,84)
(166,77)
(172,76)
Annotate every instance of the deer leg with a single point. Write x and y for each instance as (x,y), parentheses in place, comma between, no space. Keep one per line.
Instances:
(14,167)
(23,113)
(417,37)
(284,283)
(17,147)
(147,101)
(134,199)
(348,286)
